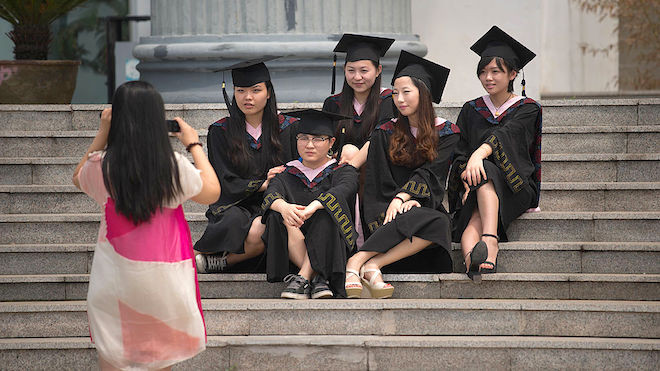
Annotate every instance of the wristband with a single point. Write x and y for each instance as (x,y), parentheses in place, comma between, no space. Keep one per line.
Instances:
(189,146)
(398,198)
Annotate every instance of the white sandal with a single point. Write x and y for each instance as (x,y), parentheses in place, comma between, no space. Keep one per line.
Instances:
(379,290)
(353,289)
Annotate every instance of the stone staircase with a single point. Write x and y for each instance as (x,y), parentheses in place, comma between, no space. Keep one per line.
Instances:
(578,288)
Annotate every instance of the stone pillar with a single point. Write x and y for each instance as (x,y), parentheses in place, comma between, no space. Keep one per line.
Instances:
(191,38)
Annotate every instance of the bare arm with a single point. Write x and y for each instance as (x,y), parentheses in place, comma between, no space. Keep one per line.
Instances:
(210,185)
(98,143)
(361,157)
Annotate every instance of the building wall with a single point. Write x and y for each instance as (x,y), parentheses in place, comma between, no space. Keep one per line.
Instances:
(556,30)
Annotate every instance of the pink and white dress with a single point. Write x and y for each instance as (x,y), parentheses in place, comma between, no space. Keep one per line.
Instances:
(143,303)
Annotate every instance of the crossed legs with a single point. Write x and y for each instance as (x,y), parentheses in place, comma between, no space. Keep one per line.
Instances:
(484,219)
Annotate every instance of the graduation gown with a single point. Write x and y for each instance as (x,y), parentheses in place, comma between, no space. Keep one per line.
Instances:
(514,167)
(230,218)
(425,183)
(329,233)
(385,112)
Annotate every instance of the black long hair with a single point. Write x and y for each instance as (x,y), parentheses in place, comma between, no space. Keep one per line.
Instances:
(369,117)
(139,168)
(239,155)
(503,64)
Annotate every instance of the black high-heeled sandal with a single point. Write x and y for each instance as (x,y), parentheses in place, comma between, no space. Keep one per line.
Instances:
(494,265)
(478,255)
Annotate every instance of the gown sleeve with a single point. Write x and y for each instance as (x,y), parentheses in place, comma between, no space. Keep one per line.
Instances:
(461,156)
(427,183)
(276,190)
(511,143)
(337,200)
(379,184)
(234,187)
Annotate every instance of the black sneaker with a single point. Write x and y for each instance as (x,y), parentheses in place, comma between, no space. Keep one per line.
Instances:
(320,288)
(211,263)
(298,287)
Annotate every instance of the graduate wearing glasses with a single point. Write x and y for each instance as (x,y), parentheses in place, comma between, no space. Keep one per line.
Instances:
(308,214)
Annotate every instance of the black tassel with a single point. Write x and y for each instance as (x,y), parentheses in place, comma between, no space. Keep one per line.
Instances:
(334,72)
(523,84)
(224,92)
(341,142)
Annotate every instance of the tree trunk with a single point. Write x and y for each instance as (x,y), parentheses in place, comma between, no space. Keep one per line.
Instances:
(30,41)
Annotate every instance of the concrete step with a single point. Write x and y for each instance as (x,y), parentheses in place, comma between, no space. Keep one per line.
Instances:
(574,112)
(553,286)
(593,196)
(601,139)
(410,317)
(360,352)
(541,226)
(514,257)
(556,139)
(61,143)
(622,167)
(598,167)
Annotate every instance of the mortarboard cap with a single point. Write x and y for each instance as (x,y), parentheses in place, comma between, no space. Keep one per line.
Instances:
(497,43)
(432,74)
(246,73)
(360,47)
(317,122)
(249,72)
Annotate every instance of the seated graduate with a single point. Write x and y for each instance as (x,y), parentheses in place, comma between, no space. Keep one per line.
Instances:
(497,170)
(408,162)
(308,217)
(247,149)
(362,98)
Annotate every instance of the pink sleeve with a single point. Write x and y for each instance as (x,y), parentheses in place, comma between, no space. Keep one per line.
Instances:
(91,179)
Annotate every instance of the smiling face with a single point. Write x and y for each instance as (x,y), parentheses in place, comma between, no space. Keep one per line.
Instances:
(251,100)
(405,95)
(361,75)
(495,79)
(314,148)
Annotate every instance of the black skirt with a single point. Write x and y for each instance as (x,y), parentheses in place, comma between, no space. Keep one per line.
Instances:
(226,232)
(512,205)
(425,223)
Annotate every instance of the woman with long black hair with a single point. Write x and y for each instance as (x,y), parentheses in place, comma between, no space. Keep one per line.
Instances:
(497,170)
(361,96)
(143,302)
(247,149)
(408,162)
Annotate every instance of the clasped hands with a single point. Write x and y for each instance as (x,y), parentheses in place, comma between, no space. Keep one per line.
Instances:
(295,215)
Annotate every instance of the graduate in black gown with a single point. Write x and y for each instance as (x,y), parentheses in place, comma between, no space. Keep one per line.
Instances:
(496,174)
(361,97)
(408,162)
(308,214)
(247,149)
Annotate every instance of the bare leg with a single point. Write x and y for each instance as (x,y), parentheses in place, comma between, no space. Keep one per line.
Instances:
(298,252)
(356,262)
(489,206)
(253,245)
(471,235)
(402,250)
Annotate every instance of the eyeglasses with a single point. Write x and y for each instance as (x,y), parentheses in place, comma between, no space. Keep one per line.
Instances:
(307,138)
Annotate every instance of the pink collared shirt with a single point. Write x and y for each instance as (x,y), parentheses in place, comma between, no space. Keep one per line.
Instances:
(309,172)
(254,132)
(501,109)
